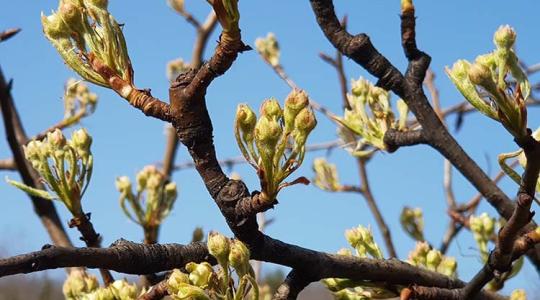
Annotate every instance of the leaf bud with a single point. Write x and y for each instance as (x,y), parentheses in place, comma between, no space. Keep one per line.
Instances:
(199,274)
(504,37)
(239,257)
(219,247)
(295,102)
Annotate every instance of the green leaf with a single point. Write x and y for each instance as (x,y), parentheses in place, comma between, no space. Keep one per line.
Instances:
(30,190)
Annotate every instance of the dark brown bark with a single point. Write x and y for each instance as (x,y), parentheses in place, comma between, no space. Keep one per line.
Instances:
(360,49)
(122,256)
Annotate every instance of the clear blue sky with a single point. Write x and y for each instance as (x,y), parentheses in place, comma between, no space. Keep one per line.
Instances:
(125,140)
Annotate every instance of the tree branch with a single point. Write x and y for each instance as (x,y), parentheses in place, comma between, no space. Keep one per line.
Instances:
(133,258)
(360,49)
(156,292)
(203,33)
(375,211)
(8,164)
(16,137)
(8,33)
(395,139)
(122,256)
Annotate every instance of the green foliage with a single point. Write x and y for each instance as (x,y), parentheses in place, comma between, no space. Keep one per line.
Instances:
(65,166)
(274,144)
(485,83)
(204,282)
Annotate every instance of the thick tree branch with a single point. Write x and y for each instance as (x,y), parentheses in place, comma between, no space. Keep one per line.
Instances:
(122,256)
(203,33)
(360,49)
(133,258)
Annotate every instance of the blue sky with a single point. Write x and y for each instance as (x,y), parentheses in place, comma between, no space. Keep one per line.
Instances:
(125,140)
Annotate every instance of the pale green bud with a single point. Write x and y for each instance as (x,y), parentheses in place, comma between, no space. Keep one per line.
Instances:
(100,294)
(79,283)
(144,175)
(353,236)
(403,110)
(199,274)
(81,141)
(123,290)
(219,247)
(481,75)
(175,279)
(433,259)
(504,37)
(239,257)
(54,27)
(71,14)
(361,239)
(459,74)
(171,191)
(418,256)
(360,87)
(412,222)
(447,266)
(305,121)
(246,121)
(56,139)
(267,133)
(295,102)
(270,108)
(518,294)
(326,176)
(268,48)
(123,184)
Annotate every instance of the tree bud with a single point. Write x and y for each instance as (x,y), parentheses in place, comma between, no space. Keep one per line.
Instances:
(504,37)
(219,247)
(199,274)
(239,257)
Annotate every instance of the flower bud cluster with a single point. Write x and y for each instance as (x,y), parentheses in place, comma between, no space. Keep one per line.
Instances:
(424,256)
(79,102)
(81,286)
(326,175)
(361,239)
(482,228)
(64,165)
(153,199)
(370,114)
(412,221)
(274,144)
(201,280)
(486,85)
(91,43)
(268,49)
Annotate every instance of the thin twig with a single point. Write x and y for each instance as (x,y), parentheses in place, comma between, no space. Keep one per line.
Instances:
(8,33)
(375,211)
(8,164)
